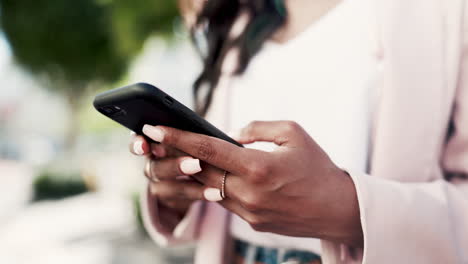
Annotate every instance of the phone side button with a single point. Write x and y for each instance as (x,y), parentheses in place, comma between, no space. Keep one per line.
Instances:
(168,101)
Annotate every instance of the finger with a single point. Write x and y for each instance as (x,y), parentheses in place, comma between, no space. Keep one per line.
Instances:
(214,195)
(180,206)
(184,190)
(171,168)
(212,181)
(212,177)
(147,171)
(138,145)
(154,178)
(177,190)
(158,150)
(282,133)
(217,152)
(163,151)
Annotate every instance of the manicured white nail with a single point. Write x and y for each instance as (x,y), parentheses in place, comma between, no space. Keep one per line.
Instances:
(152,188)
(213,195)
(132,133)
(155,133)
(138,147)
(190,166)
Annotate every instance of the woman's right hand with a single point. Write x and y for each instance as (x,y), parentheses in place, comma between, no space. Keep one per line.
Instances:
(174,195)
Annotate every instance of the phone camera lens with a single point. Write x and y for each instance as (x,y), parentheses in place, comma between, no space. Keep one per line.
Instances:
(110,110)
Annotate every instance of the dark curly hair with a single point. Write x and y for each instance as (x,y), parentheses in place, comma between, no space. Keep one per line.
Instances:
(215,22)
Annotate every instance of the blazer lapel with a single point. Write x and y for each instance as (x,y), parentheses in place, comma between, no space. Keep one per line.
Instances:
(407,129)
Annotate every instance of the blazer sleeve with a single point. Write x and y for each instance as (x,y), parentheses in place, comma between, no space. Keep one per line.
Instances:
(416,222)
(186,230)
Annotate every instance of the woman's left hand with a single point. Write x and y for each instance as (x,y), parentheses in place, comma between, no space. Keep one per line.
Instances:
(295,190)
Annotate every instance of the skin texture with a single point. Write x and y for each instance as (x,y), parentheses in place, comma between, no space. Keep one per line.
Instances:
(295,190)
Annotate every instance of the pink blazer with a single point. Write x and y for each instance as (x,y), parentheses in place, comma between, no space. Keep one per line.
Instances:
(411,212)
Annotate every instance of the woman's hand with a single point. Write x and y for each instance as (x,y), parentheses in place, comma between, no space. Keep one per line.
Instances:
(295,190)
(174,194)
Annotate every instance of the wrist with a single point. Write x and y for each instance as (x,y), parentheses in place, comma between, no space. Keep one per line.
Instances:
(345,222)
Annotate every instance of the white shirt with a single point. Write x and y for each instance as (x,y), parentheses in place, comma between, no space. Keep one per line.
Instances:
(324,79)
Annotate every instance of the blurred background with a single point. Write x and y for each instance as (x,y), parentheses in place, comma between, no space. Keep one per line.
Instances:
(69,187)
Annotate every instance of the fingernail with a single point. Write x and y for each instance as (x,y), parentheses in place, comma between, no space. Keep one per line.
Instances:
(190,166)
(138,147)
(132,133)
(152,188)
(212,195)
(155,133)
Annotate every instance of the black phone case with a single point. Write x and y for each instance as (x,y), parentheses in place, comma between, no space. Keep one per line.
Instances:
(135,105)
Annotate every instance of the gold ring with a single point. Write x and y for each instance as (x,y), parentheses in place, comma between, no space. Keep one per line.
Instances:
(147,172)
(223,185)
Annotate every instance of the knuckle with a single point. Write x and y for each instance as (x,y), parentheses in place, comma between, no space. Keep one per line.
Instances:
(258,171)
(171,151)
(252,203)
(169,137)
(191,194)
(179,193)
(249,129)
(258,224)
(251,207)
(291,126)
(155,189)
(252,125)
(168,192)
(205,150)
(259,227)
(170,203)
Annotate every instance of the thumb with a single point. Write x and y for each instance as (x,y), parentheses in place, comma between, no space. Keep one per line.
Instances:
(282,133)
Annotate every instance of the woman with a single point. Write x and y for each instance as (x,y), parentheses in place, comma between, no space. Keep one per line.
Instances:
(374,162)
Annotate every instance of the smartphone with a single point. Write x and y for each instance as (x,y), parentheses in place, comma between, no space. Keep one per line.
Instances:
(135,105)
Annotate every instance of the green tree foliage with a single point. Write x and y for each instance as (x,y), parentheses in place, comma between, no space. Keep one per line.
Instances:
(85,40)
(53,186)
(73,44)
(134,20)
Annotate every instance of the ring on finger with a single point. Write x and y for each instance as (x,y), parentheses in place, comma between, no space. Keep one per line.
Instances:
(148,173)
(223,185)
